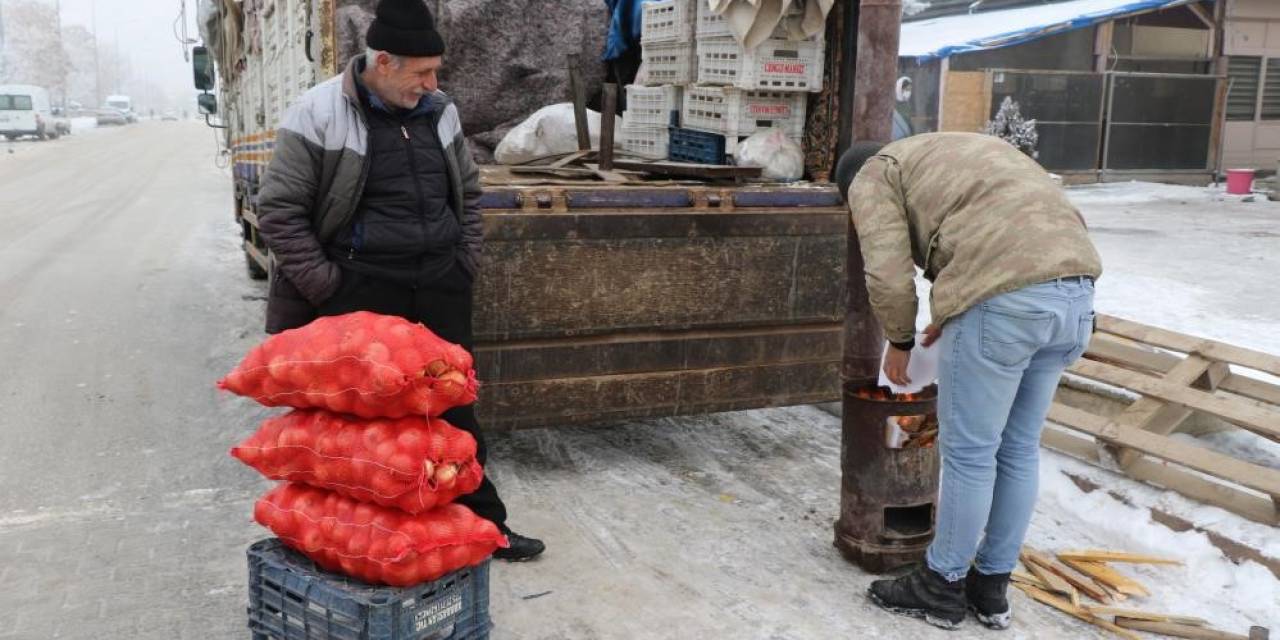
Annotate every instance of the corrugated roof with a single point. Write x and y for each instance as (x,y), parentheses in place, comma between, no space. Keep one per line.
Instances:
(943,37)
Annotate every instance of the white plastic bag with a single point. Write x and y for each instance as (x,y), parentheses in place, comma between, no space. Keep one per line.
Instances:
(781,157)
(550,130)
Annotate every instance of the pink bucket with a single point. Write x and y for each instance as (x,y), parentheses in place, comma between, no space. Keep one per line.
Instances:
(1239,181)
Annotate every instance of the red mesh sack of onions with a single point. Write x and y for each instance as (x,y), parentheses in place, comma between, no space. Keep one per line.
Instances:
(377,544)
(412,463)
(365,364)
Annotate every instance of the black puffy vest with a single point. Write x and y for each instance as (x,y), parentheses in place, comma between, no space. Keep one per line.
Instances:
(404,227)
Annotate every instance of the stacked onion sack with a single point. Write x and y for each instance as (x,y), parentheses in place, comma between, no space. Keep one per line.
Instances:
(370,472)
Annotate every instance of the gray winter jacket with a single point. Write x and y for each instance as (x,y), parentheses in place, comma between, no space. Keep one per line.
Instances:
(313,185)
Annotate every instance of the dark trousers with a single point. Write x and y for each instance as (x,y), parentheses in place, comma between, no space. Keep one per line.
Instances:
(444,307)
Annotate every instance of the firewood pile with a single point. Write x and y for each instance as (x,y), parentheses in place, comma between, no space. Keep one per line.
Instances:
(1086,585)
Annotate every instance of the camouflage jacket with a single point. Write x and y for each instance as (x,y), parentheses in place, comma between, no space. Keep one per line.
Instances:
(978,216)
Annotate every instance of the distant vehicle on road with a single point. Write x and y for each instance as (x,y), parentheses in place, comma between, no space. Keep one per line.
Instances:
(108,117)
(25,110)
(123,104)
(168,116)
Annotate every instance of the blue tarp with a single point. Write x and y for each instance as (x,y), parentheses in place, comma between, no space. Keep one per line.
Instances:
(625,19)
(943,37)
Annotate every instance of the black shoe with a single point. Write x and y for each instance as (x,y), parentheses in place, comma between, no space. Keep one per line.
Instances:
(922,594)
(521,548)
(987,598)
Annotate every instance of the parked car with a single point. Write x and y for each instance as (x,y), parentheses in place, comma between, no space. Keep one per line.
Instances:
(110,116)
(25,111)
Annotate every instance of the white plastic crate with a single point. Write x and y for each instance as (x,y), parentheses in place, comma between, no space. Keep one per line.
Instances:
(776,65)
(734,113)
(712,25)
(651,106)
(669,63)
(644,141)
(669,21)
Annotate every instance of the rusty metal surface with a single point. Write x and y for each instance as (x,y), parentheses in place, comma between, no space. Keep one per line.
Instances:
(593,316)
(874,477)
(879,22)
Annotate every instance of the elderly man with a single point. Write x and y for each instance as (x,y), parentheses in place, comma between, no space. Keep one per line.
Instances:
(370,203)
(1012,303)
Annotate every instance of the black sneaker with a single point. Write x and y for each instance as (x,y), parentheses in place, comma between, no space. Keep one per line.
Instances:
(922,594)
(987,598)
(521,548)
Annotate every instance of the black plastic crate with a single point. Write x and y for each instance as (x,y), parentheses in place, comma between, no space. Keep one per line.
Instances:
(290,598)
(699,147)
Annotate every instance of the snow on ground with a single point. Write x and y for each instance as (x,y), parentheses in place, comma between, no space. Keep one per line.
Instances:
(83,124)
(1232,597)
(1190,259)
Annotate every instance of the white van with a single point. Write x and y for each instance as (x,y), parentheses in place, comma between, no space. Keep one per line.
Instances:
(25,110)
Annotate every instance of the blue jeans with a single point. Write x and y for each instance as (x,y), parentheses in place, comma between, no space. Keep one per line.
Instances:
(999,368)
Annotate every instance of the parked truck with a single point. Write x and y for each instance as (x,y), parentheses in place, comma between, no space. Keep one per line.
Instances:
(594,303)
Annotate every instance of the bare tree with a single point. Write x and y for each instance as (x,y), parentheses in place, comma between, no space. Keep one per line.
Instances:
(32,52)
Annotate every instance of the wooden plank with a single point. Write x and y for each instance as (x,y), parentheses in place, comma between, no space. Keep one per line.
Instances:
(1045,597)
(708,171)
(1112,578)
(1039,567)
(1095,555)
(608,117)
(967,100)
(571,158)
(1195,486)
(1250,475)
(1080,582)
(1028,579)
(1177,630)
(1190,344)
(578,96)
(1250,416)
(1251,388)
(1115,595)
(1116,350)
(1156,416)
(1135,614)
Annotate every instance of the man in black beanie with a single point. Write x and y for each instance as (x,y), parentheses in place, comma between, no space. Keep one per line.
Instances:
(371,203)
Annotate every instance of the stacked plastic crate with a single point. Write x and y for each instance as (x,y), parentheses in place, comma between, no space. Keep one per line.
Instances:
(694,66)
(741,91)
(667,48)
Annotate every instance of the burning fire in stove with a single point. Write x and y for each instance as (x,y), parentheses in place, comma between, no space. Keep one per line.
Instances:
(915,430)
(883,394)
(906,432)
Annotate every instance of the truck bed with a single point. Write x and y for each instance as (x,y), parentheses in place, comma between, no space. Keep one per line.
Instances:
(603,303)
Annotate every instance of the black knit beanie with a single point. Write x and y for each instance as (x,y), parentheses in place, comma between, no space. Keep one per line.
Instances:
(405,28)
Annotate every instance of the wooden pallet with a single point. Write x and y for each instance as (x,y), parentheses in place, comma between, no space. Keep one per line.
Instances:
(1176,376)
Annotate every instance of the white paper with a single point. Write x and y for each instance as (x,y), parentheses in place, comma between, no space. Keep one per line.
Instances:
(922,369)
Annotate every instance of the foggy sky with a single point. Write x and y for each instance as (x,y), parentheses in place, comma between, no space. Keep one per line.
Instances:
(145,29)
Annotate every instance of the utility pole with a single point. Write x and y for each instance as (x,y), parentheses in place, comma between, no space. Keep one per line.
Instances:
(115,80)
(97,68)
(62,53)
(2,71)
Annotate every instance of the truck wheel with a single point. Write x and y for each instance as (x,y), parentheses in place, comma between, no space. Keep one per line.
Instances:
(256,272)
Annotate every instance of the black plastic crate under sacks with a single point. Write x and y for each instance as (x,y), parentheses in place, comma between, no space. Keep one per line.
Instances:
(290,598)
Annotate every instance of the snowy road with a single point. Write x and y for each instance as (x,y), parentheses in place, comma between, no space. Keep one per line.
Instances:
(123,297)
